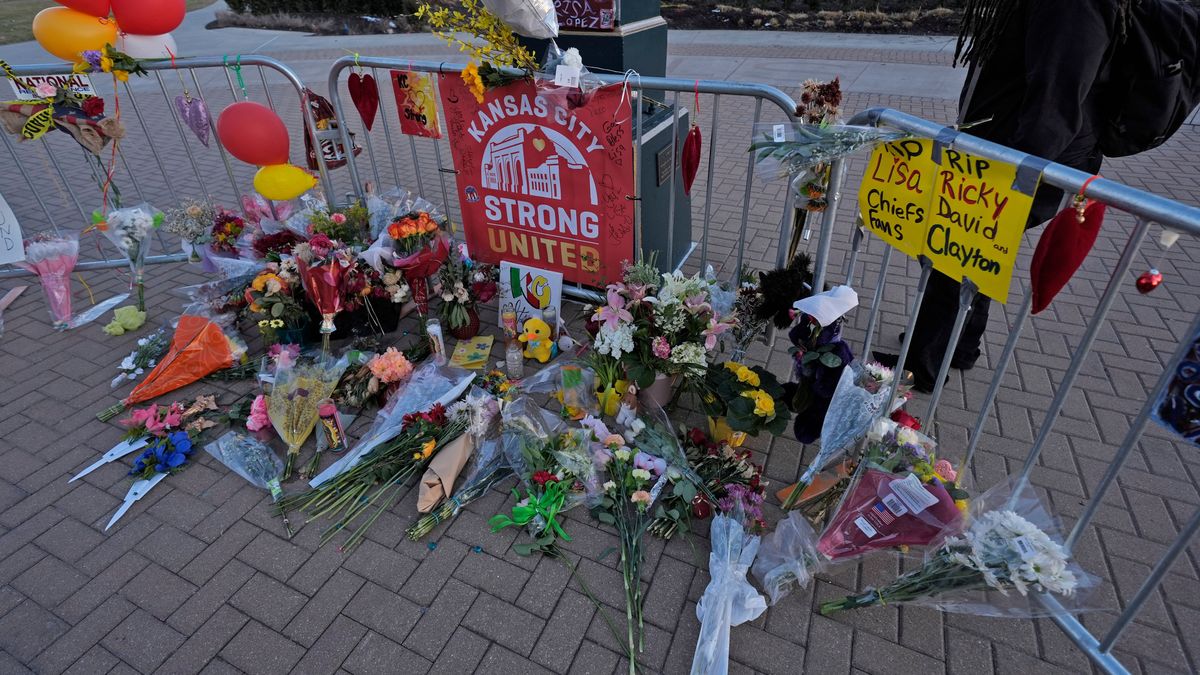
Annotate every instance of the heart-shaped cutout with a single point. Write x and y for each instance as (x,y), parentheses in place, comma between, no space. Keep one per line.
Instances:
(365,95)
(194,113)
(539,144)
(1061,250)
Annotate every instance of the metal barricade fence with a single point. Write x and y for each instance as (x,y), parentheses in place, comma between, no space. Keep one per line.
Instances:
(1146,208)
(729,216)
(159,161)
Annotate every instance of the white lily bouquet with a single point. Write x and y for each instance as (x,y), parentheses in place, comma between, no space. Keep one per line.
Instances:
(1009,553)
(129,230)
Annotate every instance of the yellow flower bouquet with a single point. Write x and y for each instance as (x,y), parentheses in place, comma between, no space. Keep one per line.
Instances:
(744,400)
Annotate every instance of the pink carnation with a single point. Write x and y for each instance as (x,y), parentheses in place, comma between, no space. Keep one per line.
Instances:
(661,348)
(390,367)
(338,218)
(614,440)
(946,470)
(640,497)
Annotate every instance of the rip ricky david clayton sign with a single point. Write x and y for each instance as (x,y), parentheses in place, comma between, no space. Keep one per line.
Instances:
(543,176)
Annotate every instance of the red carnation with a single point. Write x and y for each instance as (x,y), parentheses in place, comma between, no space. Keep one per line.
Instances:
(543,477)
(93,106)
(697,437)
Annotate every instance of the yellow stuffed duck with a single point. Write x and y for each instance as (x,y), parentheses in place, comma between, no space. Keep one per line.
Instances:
(538,342)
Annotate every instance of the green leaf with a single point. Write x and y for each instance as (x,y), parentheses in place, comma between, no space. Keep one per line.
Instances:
(523,549)
(277,310)
(606,552)
(810,357)
(673,514)
(831,360)
(606,518)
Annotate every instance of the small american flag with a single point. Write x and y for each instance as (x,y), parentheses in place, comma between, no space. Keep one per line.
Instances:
(881,511)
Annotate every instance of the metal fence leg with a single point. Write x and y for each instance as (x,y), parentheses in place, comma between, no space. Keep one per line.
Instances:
(856,241)
(1085,347)
(1006,357)
(708,185)
(877,300)
(837,173)
(966,294)
(746,197)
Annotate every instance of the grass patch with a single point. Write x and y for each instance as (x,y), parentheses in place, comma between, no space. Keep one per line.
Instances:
(16,17)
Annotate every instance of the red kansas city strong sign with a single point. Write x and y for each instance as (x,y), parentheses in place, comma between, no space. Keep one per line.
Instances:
(541,183)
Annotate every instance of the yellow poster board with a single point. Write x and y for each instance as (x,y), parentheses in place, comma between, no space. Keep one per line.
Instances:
(896,192)
(963,212)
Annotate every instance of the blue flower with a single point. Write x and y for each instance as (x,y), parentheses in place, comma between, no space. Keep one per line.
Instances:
(182,442)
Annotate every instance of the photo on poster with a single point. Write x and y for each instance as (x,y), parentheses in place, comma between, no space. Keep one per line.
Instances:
(1178,409)
(528,291)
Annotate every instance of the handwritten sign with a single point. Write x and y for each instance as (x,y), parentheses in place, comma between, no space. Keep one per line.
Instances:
(12,249)
(976,221)
(962,212)
(528,290)
(895,194)
(586,14)
(417,103)
(26,89)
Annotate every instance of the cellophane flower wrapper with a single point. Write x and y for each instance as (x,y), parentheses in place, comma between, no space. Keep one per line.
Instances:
(787,558)
(200,346)
(851,412)
(943,583)
(549,381)
(883,510)
(52,259)
(130,230)
(418,267)
(323,286)
(397,203)
(523,422)
(729,599)
(249,458)
(804,146)
(428,385)
(531,18)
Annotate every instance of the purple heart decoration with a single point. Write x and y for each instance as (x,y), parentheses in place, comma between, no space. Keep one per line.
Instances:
(194,113)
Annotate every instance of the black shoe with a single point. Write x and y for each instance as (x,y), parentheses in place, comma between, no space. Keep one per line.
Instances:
(962,364)
(901,338)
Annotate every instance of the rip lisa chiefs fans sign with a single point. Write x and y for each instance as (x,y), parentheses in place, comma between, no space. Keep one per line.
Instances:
(542,183)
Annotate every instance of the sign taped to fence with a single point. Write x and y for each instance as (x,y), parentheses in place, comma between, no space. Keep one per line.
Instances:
(417,103)
(586,14)
(12,246)
(961,211)
(976,221)
(895,194)
(543,176)
(527,291)
(26,88)
(1178,408)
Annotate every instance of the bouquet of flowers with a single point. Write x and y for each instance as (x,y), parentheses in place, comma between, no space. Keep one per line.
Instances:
(198,348)
(419,249)
(860,398)
(658,326)
(375,377)
(806,146)
(1010,551)
(556,467)
(743,400)
(351,225)
(378,479)
(902,495)
(129,230)
(149,350)
(720,468)
(272,295)
(777,290)
(192,222)
(227,228)
(819,354)
(465,283)
(52,258)
(488,465)
(299,387)
(787,558)
(252,460)
(729,599)
(323,264)
(274,246)
(496,383)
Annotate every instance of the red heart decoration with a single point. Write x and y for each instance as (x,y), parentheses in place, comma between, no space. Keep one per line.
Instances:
(689,158)
(1062,249)
(365,95)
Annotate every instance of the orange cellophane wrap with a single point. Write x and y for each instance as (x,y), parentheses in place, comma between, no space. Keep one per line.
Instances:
(199,348)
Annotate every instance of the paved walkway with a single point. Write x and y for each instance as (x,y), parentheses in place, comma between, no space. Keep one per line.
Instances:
(198,578)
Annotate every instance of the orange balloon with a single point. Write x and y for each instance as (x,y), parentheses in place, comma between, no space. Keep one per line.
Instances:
(66,33)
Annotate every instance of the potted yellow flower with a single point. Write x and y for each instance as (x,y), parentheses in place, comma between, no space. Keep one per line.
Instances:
(742,400)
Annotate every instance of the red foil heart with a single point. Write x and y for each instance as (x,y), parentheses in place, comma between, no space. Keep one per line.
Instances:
(1149,281)
(690,158)
(365,95)
(1061,250)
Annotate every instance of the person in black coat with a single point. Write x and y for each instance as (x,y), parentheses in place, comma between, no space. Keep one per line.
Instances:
(1035,80)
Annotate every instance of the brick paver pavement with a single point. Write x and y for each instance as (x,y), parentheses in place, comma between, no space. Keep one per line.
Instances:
(198,577)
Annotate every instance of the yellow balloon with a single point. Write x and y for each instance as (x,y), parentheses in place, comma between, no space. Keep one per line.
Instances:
(67,33)
(282,182)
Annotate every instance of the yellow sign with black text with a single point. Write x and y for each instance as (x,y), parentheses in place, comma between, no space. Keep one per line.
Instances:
(963,212)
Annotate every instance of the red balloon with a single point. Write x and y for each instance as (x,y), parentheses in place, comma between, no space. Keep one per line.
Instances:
(99,8)
(253,133)
(148,17)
